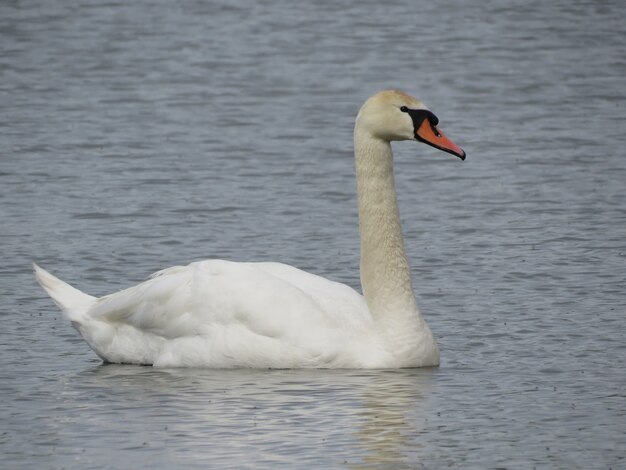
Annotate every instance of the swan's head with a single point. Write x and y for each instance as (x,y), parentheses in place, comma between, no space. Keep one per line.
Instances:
(394,115)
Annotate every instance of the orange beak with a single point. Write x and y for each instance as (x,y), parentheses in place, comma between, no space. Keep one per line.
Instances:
(429,134)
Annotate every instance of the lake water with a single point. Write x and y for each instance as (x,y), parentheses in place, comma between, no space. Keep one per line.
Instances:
(139,135)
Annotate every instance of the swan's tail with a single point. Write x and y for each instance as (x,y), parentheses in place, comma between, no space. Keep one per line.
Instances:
(71,301)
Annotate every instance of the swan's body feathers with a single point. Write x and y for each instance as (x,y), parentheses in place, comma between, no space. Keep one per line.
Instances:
(224,314)
(71,301)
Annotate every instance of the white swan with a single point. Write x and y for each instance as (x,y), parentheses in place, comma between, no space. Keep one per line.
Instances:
(222,314)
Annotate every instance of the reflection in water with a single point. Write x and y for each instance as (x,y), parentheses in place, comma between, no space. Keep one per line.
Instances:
(268,413)
(390,428)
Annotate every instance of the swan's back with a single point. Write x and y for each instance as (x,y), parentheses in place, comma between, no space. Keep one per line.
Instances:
(219,313)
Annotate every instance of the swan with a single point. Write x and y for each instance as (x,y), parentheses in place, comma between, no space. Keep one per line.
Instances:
(224,314)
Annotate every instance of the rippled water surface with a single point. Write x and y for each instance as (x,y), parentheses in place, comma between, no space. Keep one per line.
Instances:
(139,135)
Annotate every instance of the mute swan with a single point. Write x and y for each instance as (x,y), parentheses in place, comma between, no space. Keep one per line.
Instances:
(223,314)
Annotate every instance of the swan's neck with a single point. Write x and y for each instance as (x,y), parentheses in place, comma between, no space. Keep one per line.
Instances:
(385,273)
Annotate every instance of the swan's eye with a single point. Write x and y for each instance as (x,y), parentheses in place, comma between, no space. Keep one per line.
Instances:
(404,109)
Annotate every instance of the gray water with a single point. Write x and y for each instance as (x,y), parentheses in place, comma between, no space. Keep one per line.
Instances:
(139,135)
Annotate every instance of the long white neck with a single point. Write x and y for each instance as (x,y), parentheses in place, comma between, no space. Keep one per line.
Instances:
(385,273)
